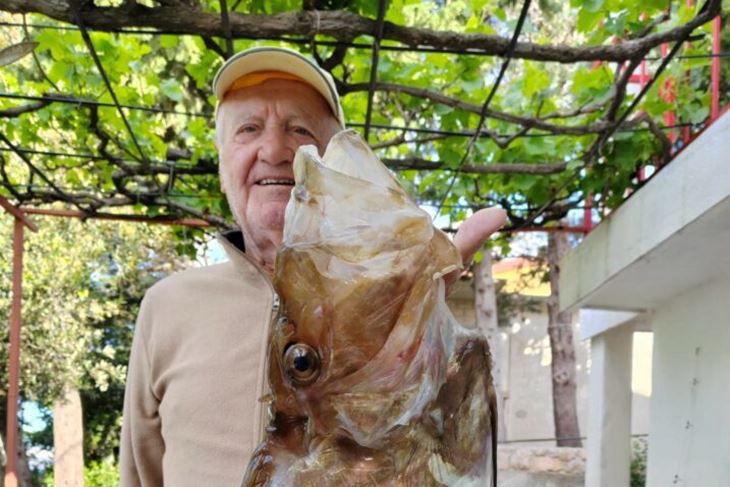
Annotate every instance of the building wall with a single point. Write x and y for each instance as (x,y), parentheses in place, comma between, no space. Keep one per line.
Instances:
(526,359)
(690,412)
(528,407)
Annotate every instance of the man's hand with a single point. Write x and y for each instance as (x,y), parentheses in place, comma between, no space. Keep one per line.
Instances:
(470,237)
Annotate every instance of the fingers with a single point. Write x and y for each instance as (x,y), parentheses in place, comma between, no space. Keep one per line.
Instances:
(476,229)
(472,234)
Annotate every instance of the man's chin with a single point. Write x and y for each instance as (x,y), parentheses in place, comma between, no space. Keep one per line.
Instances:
(266,219)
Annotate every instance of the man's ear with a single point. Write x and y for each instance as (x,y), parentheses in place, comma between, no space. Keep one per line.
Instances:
(221,180)
(217,133)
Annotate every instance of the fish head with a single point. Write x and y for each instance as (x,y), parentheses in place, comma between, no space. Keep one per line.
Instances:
(356,272)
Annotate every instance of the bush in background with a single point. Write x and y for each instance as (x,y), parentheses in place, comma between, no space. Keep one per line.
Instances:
(638,462)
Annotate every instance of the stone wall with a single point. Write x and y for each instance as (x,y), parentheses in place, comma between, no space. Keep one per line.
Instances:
(527,466)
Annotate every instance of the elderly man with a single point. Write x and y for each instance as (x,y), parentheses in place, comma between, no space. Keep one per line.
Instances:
(192,415)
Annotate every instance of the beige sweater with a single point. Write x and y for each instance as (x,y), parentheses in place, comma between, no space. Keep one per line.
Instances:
(191,410)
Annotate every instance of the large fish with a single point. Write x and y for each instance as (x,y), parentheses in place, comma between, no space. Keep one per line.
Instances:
(373,381)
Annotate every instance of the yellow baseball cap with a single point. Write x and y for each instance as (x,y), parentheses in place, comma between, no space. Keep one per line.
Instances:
(256,65)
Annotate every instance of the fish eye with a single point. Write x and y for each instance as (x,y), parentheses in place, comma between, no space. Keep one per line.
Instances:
(301,364)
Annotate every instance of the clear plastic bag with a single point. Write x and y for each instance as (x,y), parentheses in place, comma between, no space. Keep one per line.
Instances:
(373,381)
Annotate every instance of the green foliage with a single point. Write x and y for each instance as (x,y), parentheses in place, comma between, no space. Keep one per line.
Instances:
(638,463)
(725,47)
(101,474)
(174,73)
(79,279)
(82,285)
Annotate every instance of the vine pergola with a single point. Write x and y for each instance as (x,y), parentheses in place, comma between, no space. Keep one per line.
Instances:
(135,144)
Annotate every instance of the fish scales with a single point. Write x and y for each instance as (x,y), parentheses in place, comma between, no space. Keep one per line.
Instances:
(373,381)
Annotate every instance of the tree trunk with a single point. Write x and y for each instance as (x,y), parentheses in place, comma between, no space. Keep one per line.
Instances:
(68,440)
(485,301)
(560,330)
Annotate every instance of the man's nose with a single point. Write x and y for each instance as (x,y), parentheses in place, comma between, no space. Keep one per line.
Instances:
(275,148)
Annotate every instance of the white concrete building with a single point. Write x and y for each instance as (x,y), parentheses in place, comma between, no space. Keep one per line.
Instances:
(661,262)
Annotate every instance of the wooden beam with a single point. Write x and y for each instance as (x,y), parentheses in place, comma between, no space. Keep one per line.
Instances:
(11,436)
(18,214)
(188,222)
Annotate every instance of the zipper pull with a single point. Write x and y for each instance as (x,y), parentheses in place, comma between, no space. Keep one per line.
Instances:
(276,304)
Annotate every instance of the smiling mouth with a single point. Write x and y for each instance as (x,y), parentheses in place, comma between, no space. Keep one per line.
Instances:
(275,182)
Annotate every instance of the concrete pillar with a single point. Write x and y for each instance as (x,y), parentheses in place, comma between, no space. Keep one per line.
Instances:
(609,411)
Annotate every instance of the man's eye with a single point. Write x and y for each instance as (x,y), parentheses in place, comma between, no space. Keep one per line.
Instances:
(246,129)
(302,131)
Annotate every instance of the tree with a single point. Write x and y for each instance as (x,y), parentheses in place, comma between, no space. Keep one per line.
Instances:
(485,302)
(82,287)
(560,331)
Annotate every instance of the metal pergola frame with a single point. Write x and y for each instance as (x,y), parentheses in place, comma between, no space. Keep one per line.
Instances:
(528,125)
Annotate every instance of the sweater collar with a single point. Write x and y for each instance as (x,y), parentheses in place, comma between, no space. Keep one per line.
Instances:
(234,246)
(234,238)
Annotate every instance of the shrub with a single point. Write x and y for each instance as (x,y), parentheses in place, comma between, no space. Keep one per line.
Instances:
(101,474)
(638,462)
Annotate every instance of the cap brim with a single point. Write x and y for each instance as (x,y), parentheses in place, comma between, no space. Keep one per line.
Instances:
(277,59)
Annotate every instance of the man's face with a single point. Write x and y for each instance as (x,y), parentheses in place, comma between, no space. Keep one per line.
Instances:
(259,130)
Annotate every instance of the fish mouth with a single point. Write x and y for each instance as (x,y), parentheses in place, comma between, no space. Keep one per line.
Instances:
(275,182)
(348,155)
